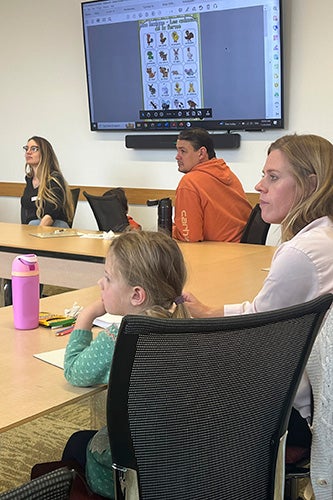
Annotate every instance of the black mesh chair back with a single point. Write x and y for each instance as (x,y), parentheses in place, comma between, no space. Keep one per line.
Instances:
(109,212)
(197,407)
(75,196)
(256,228)
(55,485)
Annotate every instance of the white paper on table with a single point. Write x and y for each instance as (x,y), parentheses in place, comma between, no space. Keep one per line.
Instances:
(55,357)
(104,236)
(107,320)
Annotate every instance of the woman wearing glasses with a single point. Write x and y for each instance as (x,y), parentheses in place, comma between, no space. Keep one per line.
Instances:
(46,200)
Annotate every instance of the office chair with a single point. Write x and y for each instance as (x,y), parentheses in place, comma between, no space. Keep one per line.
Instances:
(256,228)
(55,485)
(108,211)
(75,195)
(79,490)
(121,195)
(199,408)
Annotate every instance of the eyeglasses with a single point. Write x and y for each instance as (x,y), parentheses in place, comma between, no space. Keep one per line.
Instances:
(33,149)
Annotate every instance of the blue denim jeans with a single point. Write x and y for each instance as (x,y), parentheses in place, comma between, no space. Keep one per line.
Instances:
(56,223)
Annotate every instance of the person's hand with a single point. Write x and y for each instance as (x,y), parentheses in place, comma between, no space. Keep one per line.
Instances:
(88,314)
(197,309)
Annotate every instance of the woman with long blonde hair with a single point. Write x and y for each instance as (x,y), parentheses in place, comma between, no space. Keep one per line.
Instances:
(296,191)
(46,200)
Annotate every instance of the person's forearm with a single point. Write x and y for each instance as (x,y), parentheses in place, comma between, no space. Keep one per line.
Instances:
(85,320)
(199,310)
(212,312)
(88,314)
(204,311)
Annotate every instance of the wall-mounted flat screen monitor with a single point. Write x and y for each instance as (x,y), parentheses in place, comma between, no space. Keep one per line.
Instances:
(163,65)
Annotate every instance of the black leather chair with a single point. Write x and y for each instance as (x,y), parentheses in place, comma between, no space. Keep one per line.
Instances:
(256,228)
(199,408)
(75,195)
(109,212)
(121,195)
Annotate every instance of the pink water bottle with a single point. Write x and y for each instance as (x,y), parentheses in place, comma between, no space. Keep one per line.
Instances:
(25,291)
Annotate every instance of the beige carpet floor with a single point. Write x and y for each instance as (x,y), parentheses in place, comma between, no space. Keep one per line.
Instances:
(43,439)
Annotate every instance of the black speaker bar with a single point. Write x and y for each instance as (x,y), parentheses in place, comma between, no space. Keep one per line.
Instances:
(159,141)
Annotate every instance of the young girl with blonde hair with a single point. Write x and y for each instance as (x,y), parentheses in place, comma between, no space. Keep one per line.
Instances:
(144,274)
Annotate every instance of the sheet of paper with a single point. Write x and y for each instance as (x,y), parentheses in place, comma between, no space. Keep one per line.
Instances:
(107,319)
(55,357)
(58,233)
(104,236)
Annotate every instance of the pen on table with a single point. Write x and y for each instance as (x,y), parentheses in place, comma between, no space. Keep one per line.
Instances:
(65,331)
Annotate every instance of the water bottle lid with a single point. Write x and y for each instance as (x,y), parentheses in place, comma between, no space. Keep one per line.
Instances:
(25,263)
(30,258)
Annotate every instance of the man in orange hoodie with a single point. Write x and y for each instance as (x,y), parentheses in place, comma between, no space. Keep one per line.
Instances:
(210,201)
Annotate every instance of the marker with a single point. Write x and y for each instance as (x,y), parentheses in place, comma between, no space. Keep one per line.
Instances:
(64,331)
(55,324)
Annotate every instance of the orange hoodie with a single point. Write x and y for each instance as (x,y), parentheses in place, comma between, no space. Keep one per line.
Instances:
(210,204)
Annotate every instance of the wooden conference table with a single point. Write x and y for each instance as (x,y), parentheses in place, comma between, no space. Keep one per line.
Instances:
(73,261)
(217,273)
(78,262)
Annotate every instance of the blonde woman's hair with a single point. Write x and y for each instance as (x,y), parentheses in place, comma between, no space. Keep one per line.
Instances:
(49,170)
(308,155)
(155,262)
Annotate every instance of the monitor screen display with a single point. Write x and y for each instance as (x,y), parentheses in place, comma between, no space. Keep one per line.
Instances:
(167,65)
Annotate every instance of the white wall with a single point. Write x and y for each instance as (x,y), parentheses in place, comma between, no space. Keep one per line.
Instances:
(43,91)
